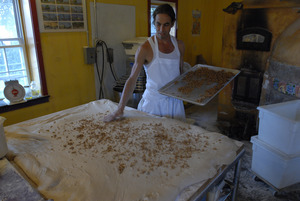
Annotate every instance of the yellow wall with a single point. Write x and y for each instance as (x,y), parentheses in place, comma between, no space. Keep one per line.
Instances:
(209,42)
(70,82)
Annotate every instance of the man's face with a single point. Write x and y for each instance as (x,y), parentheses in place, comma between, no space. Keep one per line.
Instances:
(163,25)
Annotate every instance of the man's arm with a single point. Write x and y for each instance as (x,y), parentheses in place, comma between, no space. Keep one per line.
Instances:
(140,59)
(131,81)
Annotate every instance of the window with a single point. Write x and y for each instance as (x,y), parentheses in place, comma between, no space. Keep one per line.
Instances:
(13,63)
(20,47)
(152,6)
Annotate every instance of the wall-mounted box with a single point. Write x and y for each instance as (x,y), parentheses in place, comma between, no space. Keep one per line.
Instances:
(89,55)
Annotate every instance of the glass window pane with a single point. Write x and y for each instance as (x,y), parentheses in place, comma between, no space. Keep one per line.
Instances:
(14,42)
(7,20)
(14,55)
(9,42)
(2,69)
(2,58)
(21,73)
(14,67)
(153,30)
(2,85)
(23,81)
(3,76)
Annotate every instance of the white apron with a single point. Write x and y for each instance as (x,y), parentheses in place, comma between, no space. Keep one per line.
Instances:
(162,69)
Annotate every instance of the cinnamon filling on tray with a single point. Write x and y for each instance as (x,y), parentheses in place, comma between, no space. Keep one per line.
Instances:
(204,76)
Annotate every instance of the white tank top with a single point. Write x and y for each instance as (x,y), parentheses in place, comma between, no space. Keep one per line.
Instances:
(163,68)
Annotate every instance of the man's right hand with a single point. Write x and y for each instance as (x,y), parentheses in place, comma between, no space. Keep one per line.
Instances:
(113,116)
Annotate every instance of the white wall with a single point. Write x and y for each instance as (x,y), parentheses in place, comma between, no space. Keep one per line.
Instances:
(115,23)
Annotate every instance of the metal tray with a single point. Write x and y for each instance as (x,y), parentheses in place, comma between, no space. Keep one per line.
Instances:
(171,89)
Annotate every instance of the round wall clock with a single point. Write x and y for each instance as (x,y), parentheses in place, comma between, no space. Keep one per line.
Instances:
(14,92)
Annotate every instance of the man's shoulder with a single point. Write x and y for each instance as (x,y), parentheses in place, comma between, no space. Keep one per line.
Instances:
(144,52)
(146,46)
(180,44)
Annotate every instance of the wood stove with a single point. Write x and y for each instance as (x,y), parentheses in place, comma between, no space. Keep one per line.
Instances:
(247,88)
(248,42)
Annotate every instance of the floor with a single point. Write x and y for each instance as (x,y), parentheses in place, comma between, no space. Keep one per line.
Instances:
(250,187)
(13,186)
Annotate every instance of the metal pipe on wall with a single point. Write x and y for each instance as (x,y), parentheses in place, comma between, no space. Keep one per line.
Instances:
(95,23)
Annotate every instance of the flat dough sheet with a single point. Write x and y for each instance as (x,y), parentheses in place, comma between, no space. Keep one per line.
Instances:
(74,155)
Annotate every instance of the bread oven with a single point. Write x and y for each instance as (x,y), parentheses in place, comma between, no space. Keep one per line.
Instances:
(282,77)
(259,41)
(252,37)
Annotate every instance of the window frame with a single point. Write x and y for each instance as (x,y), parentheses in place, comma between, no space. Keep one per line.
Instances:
(35,37)
(38,46)
(21,44)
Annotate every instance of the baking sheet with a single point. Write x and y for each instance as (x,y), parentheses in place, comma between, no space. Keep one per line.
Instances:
(171,89)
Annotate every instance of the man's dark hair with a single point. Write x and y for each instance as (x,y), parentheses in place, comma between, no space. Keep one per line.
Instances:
(164,9)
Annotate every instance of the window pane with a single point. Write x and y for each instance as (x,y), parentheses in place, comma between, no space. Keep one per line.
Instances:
(9,42)
(2,85)
(2,58)
(7,20)
(153,30)
(3,76)
(23,81)
(14,55)
(13,68)
(15,75)
(2,69)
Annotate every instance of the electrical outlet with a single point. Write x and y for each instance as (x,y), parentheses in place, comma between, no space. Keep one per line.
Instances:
(89,55)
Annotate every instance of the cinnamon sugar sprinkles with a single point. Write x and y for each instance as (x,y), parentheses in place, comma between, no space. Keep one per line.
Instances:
(127,143)
(204,76)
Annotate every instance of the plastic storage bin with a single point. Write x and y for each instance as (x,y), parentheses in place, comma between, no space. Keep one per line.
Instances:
(279,126)
(277,168)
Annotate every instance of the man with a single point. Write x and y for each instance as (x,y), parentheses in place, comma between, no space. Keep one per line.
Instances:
(162,58)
